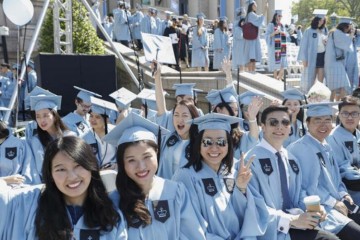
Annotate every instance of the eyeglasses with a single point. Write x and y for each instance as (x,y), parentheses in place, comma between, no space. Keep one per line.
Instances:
(352,114)
(275,122)
(207,142)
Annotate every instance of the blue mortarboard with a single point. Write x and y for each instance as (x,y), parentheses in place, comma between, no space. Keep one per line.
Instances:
(196,91)
(134,128)
(320,109)
(278,12)
(248,2)
(347,20)
(246,97)
(320,13)
(228,94)
(293,94)
(215,121)
(43,101)
(200,15)
(36,92)
(223,18)
(184,89)
(168,12)
(15,66)
(148,97)
(85,94)
(123,97)
(31,64)
(101,106)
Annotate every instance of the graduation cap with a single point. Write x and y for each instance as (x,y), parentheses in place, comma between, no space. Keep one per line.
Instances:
(320,109)
(168,13)
(85,94)
(293,94)
(36,92)
(347,20)
(227,94)
(248,2)
(184,89)
(134,128)
(320,13)
(123,97)
(223,18)
(196,91)
(151,10)
(214,121)
(31,64)
(43,101)
(278,12)
(148,97)
(158,48)
(15,66)
(200,15)
(101,106)
(246,97)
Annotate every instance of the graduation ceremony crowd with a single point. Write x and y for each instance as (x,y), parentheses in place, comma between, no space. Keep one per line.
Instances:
(234,173)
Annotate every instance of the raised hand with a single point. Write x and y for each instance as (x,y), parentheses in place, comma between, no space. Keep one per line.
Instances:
(244,173)
(254,107)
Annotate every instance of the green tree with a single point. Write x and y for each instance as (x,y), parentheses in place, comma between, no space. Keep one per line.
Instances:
(84,35)
(304,9)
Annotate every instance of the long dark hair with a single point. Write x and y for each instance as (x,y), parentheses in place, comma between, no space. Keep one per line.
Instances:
(195,155)
(44,137)
(52,221)
(299,116)
(222,26)
(315,23)
(249,9)
(241,21)
(132,202)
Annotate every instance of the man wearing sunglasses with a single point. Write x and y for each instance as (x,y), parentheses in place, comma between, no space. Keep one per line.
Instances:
(321,174)
(277,177)
(344,141)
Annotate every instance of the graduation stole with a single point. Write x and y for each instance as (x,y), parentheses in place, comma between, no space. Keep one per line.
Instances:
(280,45)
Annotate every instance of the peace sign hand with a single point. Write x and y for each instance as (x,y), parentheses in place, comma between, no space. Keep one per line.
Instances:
(244,173)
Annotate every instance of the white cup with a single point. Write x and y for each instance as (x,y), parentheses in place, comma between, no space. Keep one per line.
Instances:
(312,203)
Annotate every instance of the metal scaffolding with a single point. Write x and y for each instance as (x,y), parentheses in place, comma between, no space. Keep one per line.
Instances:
(62,17)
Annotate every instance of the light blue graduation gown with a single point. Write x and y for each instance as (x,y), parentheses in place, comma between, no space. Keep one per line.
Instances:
(121,27)
(221,47)
(109,28)
(15,158)
(335,73)
(246,143)
(169,144)
(266,181)
(308,52)
(136,21)
(351,65)
(321,176)
(238,58)
(172,214)
(77,123)
(38,152)
(148,25)
(159,26)
(294,134)
(90,139)
(7,89)
(30,131)
(253,47)
(31,80)
(270,41)
(228,212)
(346,151)
(18,212)
(199,51)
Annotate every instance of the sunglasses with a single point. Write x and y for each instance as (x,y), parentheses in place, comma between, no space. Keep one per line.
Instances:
(207,142)
(275,122)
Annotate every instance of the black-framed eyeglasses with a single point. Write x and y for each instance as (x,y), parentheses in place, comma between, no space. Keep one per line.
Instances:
(275,122)
(207,142)
(352,114)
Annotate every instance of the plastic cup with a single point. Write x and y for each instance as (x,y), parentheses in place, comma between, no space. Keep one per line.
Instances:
(312,203)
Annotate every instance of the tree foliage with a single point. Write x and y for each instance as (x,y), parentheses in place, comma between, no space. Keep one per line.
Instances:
(84,35)
(304,9)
